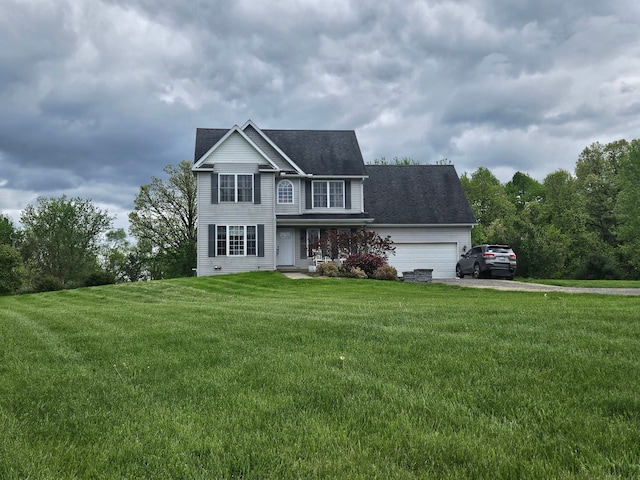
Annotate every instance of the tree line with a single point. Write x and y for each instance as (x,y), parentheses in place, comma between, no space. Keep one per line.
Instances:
(70,242)
(584,225)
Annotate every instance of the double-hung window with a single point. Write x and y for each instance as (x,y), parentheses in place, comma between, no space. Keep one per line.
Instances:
(236,240)
(328,194)
(236,188)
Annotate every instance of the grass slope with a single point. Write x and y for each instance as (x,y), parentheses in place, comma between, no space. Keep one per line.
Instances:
(259,376)
(586,283)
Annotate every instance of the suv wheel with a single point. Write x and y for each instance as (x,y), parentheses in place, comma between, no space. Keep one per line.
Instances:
(476,271)
(459,273)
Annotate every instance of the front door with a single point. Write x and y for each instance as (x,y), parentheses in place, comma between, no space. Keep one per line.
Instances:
(284,247)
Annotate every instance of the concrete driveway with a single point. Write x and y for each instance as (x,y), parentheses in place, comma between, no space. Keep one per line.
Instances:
(531,287)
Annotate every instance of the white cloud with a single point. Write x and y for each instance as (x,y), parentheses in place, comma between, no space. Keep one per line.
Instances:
(98,96)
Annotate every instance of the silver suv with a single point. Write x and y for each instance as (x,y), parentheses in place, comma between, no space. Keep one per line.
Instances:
(483,260)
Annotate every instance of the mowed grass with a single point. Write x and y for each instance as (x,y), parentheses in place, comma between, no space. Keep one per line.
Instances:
(587,283)
(260,376)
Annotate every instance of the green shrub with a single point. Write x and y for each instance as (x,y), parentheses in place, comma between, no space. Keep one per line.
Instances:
(99,277)
(385,272)
(598,267)
(47,283)
(366,262)
(327,269)
(11,270)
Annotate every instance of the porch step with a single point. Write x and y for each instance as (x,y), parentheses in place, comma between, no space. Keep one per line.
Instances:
(292,270)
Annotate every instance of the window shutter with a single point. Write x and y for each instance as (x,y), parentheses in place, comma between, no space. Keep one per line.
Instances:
(347,194)
(212,240)
(303,244)
(307,195)
(261,240)
(214,187)
(256,188)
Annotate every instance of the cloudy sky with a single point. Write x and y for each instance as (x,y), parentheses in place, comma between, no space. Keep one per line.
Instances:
(98,96)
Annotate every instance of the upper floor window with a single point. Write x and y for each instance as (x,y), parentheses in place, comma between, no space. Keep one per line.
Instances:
(236,188)
(285,191)
(328,193)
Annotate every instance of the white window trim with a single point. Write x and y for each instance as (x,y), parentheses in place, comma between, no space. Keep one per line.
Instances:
(235,187)
(328,195)
(245,246)
(293,190)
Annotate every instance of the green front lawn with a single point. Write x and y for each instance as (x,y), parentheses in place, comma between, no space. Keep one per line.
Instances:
(586,283)
(259,376)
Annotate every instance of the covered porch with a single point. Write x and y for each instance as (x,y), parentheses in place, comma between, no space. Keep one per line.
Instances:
(299,238)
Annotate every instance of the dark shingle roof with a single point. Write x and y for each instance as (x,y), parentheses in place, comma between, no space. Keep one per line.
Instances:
(321,152)
(416,194)
(317,152)
(207,138)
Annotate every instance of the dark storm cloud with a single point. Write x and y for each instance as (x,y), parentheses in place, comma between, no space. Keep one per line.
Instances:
(98,96)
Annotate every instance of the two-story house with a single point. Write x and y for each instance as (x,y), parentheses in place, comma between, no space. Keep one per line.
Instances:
(265,197)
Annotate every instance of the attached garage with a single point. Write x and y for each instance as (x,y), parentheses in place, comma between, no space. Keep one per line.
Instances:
(440,257)
(423,209)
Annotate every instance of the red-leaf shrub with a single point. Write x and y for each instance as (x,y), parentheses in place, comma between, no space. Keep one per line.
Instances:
(367,262)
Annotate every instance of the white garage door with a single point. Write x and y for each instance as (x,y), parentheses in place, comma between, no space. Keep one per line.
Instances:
(441,257)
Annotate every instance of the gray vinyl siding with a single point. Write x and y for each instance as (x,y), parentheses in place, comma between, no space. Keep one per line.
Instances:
(357,203)
(235,214)
(234,150)
(235,156)
(292,208)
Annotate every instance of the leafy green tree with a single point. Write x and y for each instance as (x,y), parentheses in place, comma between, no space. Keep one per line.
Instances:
(7,230)
(627,210)
(122,260)
(527,238)
(523,190)
(598,184)
(565,210)
(12,272)
(164,221)
(62,238)
(489,202)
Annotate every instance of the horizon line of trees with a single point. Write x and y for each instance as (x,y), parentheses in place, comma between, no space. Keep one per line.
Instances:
(69,242)
(581,225)
(584,225)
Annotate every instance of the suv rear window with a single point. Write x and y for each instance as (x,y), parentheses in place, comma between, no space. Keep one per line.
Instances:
(499,248)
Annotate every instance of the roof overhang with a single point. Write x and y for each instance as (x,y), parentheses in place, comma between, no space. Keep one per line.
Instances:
(202,165)
(250,123)
(286,220)
(424,225)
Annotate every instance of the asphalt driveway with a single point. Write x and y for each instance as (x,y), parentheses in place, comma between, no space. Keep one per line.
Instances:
(531,287)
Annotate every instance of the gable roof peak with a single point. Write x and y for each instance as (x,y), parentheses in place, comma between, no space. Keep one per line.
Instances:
(309,152)
(209,140)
